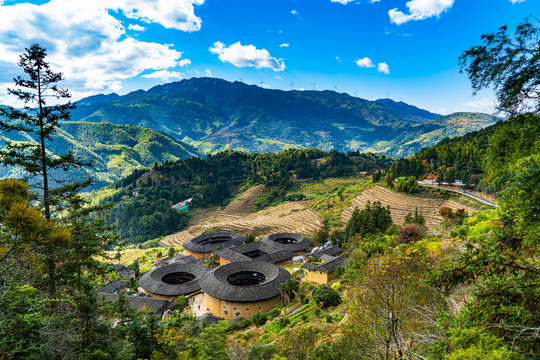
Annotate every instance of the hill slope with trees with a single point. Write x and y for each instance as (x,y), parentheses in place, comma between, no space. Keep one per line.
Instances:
(214,114)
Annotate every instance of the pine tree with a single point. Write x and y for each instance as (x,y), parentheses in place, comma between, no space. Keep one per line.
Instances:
(40,122)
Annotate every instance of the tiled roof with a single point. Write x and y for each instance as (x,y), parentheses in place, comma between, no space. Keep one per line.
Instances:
(299,242)
(152,281)
(198,244)
(215,282)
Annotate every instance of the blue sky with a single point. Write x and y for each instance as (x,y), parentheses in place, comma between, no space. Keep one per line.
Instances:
(404,50)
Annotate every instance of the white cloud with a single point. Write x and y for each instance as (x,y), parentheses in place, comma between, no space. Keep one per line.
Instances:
(86,42)
(484,104)
(284,45)
(265,86)
(184,62)
(516,1)
(344,2)
(420,9)
(365,63)
(294,12)
(297,14)
(338,59)
(208,73)
(136,27)
(246,56)
(384,68)
(172,14)
(164,75)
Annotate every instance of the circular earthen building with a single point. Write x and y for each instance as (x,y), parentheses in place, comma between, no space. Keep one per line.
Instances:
(288,241)
(202,247)
(242,289)
(171,281)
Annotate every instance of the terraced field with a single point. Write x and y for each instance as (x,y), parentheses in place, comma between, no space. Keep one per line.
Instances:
(401,205)
(298,218)
(289,217)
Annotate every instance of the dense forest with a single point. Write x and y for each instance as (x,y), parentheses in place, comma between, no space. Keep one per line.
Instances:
(215,180)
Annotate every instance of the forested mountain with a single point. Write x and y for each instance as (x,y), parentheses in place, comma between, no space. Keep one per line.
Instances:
(114,150)
(214,181)
(214,114)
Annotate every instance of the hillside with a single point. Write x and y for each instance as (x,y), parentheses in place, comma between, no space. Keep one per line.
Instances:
(213,115)
(115,150)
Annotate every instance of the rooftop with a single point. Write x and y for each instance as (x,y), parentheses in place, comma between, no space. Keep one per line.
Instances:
(173,280)
(288,241)
(207,243)
(244,281)
(327,266)
(258,251)
(141,302)
(112,287)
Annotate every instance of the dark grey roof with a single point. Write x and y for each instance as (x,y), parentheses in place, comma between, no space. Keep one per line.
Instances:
(327,266)
(230,255)
(123,271)
(272,254)
(196,246)
(112,287)
(301,243)
(209,319)
(332,251)
(140,302)
(215,282)
(152,282)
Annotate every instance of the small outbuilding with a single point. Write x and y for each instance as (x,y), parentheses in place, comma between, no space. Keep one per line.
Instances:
(323,272)
(170,281)
(113,287)
(242,289)
(124,271)
(288,241)
(159,306)
(202,247)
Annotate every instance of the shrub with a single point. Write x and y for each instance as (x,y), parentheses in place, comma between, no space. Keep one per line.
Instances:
(274,313)
(259,319)
(325,296)
(409,234)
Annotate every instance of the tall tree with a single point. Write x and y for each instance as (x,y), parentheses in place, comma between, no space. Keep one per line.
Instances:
(510,65)
(40,122)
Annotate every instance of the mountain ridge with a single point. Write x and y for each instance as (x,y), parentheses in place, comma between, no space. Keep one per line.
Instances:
(214,114)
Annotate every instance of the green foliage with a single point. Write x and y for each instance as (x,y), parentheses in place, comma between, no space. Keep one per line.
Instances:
(21,322)
(250,238)
(325,296)
(259,319)
(504,63)
(408,186)
(502,263)
(478,344)
(373,219)
(325,351)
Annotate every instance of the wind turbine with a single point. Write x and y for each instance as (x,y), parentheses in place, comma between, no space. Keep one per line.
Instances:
(262,83)
(292,85)
(313,83)
(355,93)
(242,80)
(335,87)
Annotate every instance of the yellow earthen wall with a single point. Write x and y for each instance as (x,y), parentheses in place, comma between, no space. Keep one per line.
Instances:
(230,310)
(319,277)
(197,255)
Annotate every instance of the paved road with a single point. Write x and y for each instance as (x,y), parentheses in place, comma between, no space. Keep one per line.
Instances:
(466,193)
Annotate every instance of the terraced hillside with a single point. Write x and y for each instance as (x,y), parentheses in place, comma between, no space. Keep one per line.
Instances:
(401,205)
(290,217)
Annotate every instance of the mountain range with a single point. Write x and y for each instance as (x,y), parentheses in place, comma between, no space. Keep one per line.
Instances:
(213,114)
